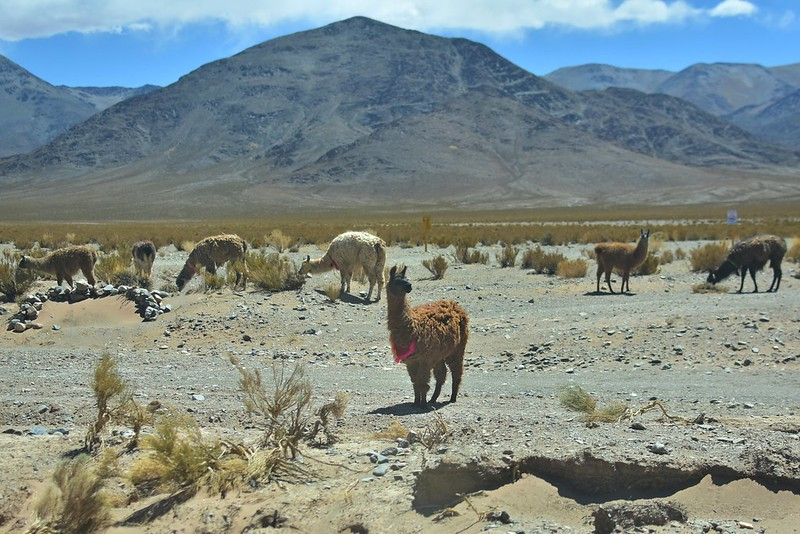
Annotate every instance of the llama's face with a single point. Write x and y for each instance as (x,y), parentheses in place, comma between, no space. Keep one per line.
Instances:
(398,283)
(23,262)
(305,268)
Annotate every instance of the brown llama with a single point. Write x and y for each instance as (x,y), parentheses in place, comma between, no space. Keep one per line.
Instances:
(143,254)
(429,337)
(622,257)
(213,252)
(65,263)
(347,253)
(751,255)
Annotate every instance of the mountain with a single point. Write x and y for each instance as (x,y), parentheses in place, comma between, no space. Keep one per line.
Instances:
(735,92)
(362,113)
(35,112)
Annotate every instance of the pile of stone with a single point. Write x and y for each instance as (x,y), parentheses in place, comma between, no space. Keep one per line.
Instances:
(149,304)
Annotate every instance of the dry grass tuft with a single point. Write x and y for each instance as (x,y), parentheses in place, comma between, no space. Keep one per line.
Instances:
(112,397)
(708,257)
(332,290)
(508,256)
(576,399)
(706,287)
(572,268)
(74,502)
(273,272)
(395,430)
(437,266)
(436,433)
(14,283)
(540,261)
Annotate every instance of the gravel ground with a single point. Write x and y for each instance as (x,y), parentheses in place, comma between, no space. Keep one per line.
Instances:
(724,368)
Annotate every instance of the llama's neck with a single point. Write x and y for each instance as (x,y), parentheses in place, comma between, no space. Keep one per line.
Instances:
(640,252)
(322,265)
(400,320)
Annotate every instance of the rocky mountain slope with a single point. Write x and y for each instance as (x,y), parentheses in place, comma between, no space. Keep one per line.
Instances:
(740,93)
(363,112)
(35,112)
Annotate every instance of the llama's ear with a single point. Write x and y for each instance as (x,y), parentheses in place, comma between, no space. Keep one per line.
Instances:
(308,257)
(392,272)
(403,272)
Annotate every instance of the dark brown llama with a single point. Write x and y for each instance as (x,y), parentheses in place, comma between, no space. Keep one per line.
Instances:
(751,255)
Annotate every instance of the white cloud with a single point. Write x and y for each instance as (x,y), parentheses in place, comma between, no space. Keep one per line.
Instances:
(43,18)
(733,8)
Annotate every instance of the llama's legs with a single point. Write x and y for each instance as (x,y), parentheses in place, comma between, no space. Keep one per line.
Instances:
(753,276)
(68,278)
(371,277)
(608,280)
(90,278)
(440,374)
(599,275)
(420,377)
(345,283)
(777,274)
(456,364)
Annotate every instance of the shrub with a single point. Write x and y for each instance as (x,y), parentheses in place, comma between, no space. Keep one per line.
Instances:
(572,268)
(113,266)
(708,257)
(332,291)
(213,282)
(111,394)
(793,254)
(508,256)
(272,272)
(14,283)
(278,240)
(706,287)
(73,502)
(437,266)
(464,255)
(666,257)
(541,261)
(576,399)
(649,266)
(680,253)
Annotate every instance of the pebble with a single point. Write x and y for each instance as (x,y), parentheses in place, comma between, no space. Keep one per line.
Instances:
(381,470)
(657,448)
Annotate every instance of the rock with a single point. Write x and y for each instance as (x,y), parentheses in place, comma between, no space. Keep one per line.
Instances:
(657,448)
(20,327)
(381,470)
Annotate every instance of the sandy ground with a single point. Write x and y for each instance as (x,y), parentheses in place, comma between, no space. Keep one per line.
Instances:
(724,366)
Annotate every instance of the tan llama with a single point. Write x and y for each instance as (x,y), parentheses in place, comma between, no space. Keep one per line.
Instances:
(622,257)
(213,252)
(65,263)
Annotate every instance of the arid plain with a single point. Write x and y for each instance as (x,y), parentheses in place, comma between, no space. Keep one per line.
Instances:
(720,451)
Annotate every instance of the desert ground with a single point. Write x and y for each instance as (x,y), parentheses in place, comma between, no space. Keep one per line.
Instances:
(718,452)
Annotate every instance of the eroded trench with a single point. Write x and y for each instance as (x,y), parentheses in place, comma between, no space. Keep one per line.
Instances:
(583,478)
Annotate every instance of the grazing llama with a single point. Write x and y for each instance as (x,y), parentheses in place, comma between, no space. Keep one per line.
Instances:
(213,252)
(346,253)
(65,263)
(143,254)
(622,257)
(431,336)
(751,255)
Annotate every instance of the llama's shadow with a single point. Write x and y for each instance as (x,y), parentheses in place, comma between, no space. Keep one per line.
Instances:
(408,408)
(348,298)
(607,294)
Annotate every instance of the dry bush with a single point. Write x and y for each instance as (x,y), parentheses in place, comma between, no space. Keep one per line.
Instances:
(576,399)
(179,457)
(214,282)
(540,261)
(793,254)
(395,430)
(272,272)
(332,290)
(666,257)
(708,257)
(508,256)
(680,254)
(14,283)
(286,408)
(436,433)
(115,269)
(74,502)
(649,266)
(437,266)
(186,245)
(572,268)
(706,287)
(112,397)
(463,254)
(278,240)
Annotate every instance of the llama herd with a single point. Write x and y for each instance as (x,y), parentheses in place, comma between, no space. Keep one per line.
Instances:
(429,338)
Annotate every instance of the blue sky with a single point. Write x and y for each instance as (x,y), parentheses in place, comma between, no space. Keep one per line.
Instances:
(132,43)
